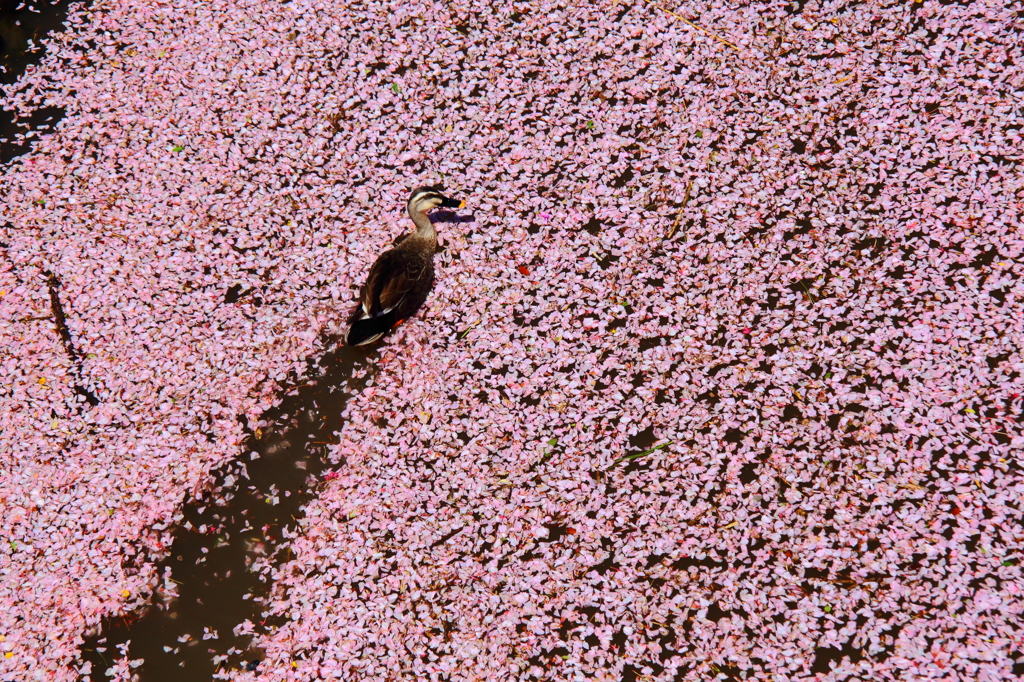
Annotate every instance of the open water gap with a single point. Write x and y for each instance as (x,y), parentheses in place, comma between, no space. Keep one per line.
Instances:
(23,26)
(256,501)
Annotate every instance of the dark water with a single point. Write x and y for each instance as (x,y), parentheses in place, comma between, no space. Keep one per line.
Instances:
(257,501)
(21,31)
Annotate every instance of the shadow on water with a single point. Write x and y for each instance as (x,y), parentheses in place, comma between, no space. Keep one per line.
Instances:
(255,503)
(257,500)
(23,25)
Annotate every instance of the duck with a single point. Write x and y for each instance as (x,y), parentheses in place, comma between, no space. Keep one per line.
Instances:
(401,278)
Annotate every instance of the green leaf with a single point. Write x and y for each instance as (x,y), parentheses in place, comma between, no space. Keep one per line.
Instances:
(637,455)
(553,442)
(591,125)
(394,86)
(177,148)
(828,609)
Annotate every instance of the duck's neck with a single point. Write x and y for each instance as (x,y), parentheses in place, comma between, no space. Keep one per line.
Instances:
(424,228)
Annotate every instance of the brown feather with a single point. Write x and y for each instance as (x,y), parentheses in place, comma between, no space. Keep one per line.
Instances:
(389,281)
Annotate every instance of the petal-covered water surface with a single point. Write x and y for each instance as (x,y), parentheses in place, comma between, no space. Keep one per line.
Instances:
(781,241)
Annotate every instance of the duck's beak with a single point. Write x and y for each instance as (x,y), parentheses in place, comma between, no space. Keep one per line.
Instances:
(452,203)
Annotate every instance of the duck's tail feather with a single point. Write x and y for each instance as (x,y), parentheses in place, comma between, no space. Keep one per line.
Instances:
(368,330)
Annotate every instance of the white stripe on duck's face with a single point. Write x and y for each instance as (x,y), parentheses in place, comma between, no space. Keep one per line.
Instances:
(424,200)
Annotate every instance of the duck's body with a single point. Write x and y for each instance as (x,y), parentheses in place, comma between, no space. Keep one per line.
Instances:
(402,277)
(399,283)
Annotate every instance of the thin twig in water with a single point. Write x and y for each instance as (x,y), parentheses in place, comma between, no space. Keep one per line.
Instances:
(699,28)
(636,455)
(470,328)
(53,284)
(679,216)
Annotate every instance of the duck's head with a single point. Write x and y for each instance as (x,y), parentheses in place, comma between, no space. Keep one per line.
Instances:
(423,199)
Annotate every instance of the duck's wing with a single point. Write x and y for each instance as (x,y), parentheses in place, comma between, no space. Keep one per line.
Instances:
(390,280)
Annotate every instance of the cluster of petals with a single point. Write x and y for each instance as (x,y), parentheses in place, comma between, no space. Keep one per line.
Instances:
(780,240)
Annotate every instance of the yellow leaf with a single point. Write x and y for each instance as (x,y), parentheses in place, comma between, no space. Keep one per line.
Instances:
(295,664)
(42,381)
(730,525)
(125,593)
(8,654)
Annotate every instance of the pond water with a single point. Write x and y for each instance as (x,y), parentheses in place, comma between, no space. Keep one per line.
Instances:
(258,502)
(22,26)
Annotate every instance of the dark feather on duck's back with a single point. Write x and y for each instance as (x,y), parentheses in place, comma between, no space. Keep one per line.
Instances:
(401,278)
